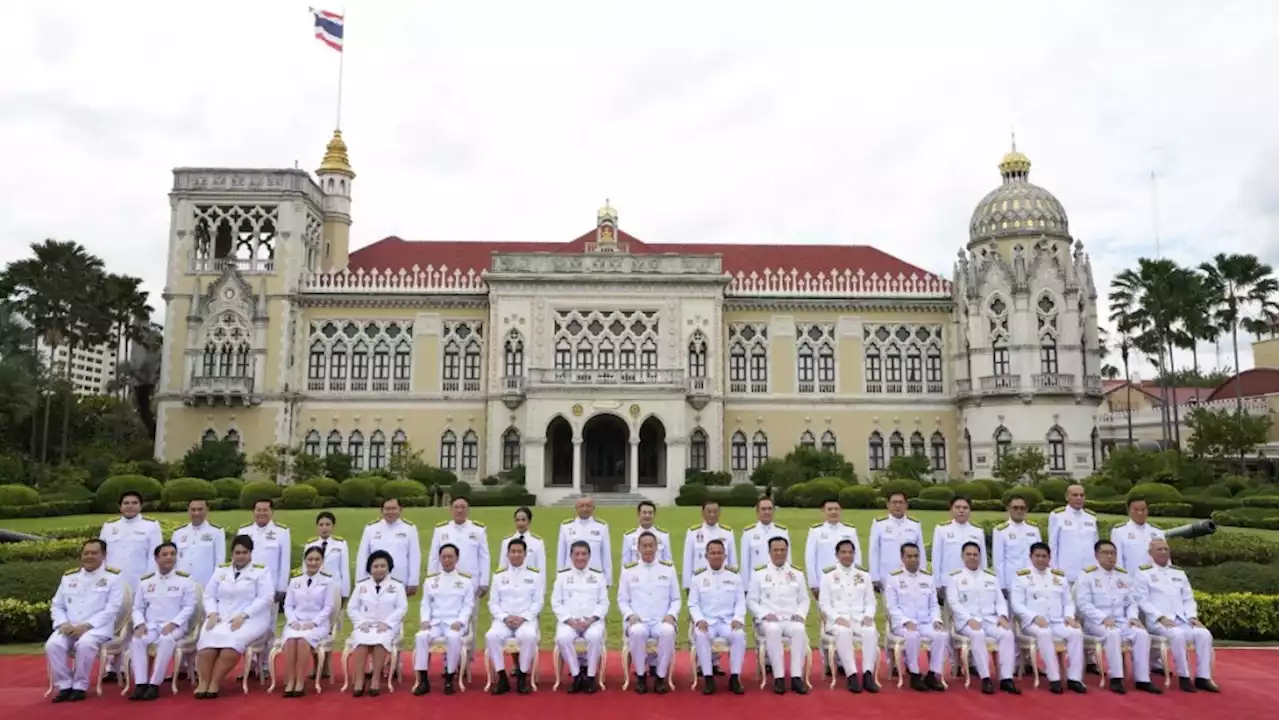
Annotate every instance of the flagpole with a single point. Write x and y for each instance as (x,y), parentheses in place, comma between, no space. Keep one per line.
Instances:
(342,54)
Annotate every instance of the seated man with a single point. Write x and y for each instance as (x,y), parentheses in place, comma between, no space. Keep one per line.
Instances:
(718,609)
(649,598)
(848,604)
(515,603)
(978,609)
(779,601)
(1165,598)
(447,604)
(1042,603)
(84,613)
(1105,601)
(911,602)
(164,605)
(580,600)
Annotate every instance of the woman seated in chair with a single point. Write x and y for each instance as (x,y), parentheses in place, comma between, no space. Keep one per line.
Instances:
(377,608)
(308,613)
(237,606)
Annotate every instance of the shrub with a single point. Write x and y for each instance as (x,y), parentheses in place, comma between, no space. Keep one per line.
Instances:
(401,489)
(1100,492)
(1155,493)
(357,492)
(325,487)
(1261,501)
(181,491)
(859,496)
(37,580)
(487,481)
(1236,577)
(65,551)
(907,486)
(1239,616)
(937,492)
(1222,547)
(432,476)
(1258,490)
(506,496)
(229,488)
(974,490)
(1031,495)
(257,490)
(693,494)
(299,497)
(108,495)
(1250,517)
(777,473)
(1054,489)
(741,495)
(995,488)
(1203,507)
(214,460)
(707,477)
(813,493)
(1178,509)
(922,503)
(25,622)
(52,508)
(1217,490)
(460,490)
(15,495)
(1237,483)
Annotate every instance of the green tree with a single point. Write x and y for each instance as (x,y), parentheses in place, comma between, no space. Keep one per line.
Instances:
(909,467)
(1024,465)
(214,460)
(1246,290)
(814,463)
(1222,433)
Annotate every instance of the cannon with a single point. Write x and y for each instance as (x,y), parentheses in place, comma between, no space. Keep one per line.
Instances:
(9,536)
(1199,528)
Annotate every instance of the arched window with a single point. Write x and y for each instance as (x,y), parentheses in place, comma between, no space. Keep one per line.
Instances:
(232,437)
(564,355)
(1004,442)
(448,451)
(470,451)
(1057,449)
(377,448)
(333,444)
(513,355)
(399,442)
(938,446)
(875,451)
(210,436)
(828,441)
(759,449)
(698,449)
(510,448)
(355,448)
(917,444)
(317,362)
(871,371)
(738,452)
(807,439)
(897,448)
(403,366)
(311,445)
(697,355)
(360,367)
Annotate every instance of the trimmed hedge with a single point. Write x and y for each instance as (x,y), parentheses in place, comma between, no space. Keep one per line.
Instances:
(906,486)
(300,497)
(67,550)
(937,492)
(1155,493)
(229,488)
(1055,490)
(1239,616)
(108,496)
(34,581)
(1032,496)
(181,491)
(862,497)
(1236,577)
(1224,547)
(257,490)
(14,495)
(50,508)
(326,487)
(357,492)
(401,489)
(974,490)
(1250,517)
(22,621)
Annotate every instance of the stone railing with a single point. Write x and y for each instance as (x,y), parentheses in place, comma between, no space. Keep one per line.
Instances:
(781,282)
(442,280)
(1153,416)
(999,383)
(544,377)
(244,265)
(1053,381)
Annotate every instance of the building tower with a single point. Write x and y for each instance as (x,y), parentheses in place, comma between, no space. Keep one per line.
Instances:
(335,177)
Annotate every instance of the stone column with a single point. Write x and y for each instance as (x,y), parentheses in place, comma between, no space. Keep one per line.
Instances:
(535,466)
(676,460)
(577,465)
(633,465)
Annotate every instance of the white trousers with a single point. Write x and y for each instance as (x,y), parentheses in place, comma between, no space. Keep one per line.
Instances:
(978,648)
(594,635)
(939,645)
(526,640)
(639,634)
(1111,643)
(722,629)
(452,646)
(1178,635)
(843,638)
(797,644)
(165,645)
(57,649)
(1045,637)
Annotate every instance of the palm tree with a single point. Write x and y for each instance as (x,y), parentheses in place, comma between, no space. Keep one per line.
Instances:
(20,373)
(1243,282)
(1147,300)
(140,373)
(1110,372)
(1196,325)
(126,307)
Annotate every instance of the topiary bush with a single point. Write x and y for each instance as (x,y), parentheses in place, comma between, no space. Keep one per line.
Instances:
(694,494)
(1101,492)
(906,486)
(460,490)
(1239,616)
(742,495)
(1250,517)
(325,486)
(937,492)
(401,489)
(1155,493)
(1259,490)
(1236,577)
(14,495)
(229,488)
(107,499)
(300,497)
(995,488)
(180,491)
(1031,495)
(974,490)
(1223,547)
(1217,490)
(813,493)
(861,497)
(357,492)
(258,490)
(1054,489)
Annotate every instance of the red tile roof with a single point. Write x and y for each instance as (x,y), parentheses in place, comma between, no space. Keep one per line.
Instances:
(1258,381)
(1151,388)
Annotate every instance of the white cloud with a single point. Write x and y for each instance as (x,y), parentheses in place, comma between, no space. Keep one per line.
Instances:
(745,122)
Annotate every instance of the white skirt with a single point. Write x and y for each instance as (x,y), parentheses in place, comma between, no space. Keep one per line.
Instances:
(222,637)
(360,637)
(313,637)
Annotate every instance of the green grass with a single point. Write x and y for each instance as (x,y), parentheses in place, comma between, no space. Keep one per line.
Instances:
(546,524)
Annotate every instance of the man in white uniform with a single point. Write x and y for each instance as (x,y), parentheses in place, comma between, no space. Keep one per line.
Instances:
(646,512)
(779,602)
(1167,603)
(470,538)
(718,609)
(595,533)
(820,546)
(911,602)
(1106,600)
(131,540)
(1133,539)
(848,604)
(649,600)
(697,537)
(162,609)
(399,538)
(580,601)
(949,539)
(272,546)
(515,603)
(755,540)
(1011,543)
(888,534)
(84,611)
(535,549)
(1072,534)
(1042,602)
(447,608)
(202,546)
(979,609)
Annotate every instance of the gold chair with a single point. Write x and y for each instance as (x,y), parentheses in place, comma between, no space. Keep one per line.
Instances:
(323,648)
(650,647)
(512,649)
(579,648)
(1030,645)
(719,646)
(762,663)
(827,645)
(393,661)
(897,645)
(257,650)
(1162,645)
(438,647)
(964,646)
(183,646)
(115,647)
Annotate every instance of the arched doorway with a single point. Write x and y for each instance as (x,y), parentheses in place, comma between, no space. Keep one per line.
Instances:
(652,465)
(558,459)
(605,439)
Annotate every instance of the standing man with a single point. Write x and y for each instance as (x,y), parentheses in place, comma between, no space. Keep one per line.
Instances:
(132,539)
(448,607)
(949,539)
(1105,598)
(580,601)
(848,604)
(1165,598)
(911,603)
(1011,544)
(697,537)
(202,546)
(649,599)
(779,603)
(646,512)
(535,549)
(1134,538)
(888,534)
(84,613)
(820,546)
(399,538)
(718,609)
(1073,532)
(165,603)
(978,609)
(756,537)
(470,541)
(515,604)
(1043,605)
(595,533)
(271,545)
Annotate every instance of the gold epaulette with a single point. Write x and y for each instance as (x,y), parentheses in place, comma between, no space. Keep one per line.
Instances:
(727,527)
(989,571)
(535,536)
(899,571)
(296,573)
(797,568)
(567,522)
(326,573)
(375,522)
(260,565)
(147,576)
(655,527)
(1059,509)
(282,527)
(1058,572)
(1091,568)
(499,570)
(780,527)
(225,564)
(182,573)
(750,527)
(758,568)
(1003,525)
(534,569)
(731,569)
(442,523)
(432,574)
(630,565)
(948,522)
(1024,571)
(694,527)
(954,572)
(564,570)
(465,575)
(1091,512)
(1121,570)
(315,539)
(699,571)
(212,525)
(337,538)
(911,519)
(72,571)
(668,563)
(408,522)
(926,572)
(815,526)
(828,568)
(113,571)
(478,524)
(598,572)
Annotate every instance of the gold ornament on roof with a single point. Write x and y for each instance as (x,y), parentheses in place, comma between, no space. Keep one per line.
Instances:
(606,213)
(1014,162)
(335,157)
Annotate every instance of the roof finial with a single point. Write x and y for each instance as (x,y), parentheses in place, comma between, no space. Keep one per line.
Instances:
(1013,140)
(607,213)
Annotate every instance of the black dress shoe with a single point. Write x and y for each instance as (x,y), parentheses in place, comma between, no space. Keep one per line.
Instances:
(139,692)
(448,684)
(1093,669)
(869,682)
(933,682)
(1207,685)
(211,696)
(110,678)
(153,692)
(1010,687)
(504,685)
(1055,687)
(709,684)
(779,686)
(1185,685)
(373,692)
(78,695)
(917,683)
(851,683)
(522,683)
(423,685)
(589,685)
(798,687)
(1076,686)
(661,687)
(1116,686)
(640,687)
(1149,688)
(988,687)
(735,685)
(62,696)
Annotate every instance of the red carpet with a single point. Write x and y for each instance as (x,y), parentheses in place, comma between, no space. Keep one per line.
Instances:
(1248,679)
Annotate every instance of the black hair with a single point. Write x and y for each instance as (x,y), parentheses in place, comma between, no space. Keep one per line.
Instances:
(960,498)
(1102,543)
(161,546)
(970,544)
(1129,503)
(514,542)
(842,543)
(778,538)
(1039,546)
(579,544)
(379,555)
(645,504)
(387,500)
(128,494)
(906,545)
(448,546)
(243,541)
(522,509)
(716,541)
(102,544)
(326,515)
(313,549)
(270,503)
(896,492)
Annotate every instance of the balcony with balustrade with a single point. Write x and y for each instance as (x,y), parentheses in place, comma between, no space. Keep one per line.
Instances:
(672,380)
(1000,384)
(1050,383)
(699,392)
(512,393)
(221,390)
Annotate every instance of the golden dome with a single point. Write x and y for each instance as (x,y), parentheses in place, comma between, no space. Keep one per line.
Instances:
(335,157)
(1015,162)
(606,213)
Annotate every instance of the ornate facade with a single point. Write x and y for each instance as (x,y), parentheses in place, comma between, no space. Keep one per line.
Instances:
(606,363)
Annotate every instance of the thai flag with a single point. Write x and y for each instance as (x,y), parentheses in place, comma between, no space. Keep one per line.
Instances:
(328,28)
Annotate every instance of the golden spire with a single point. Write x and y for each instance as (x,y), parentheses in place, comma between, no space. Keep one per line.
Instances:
(335,157)
(1014,163)
(607,213)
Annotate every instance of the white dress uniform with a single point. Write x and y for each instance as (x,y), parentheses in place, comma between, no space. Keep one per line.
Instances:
(631,548)
(912,597)
(373,603)
(1011,550)
(160,600)
(309,599)
(1102,594)
(272,548)
(535,555)
(337,560)
(846,594)
(1165,592)
(517,590)
(975,595)
(888,535)
(1046,594)
(88,598)
(1072,534)
(595,534)
(472,540)
(400,540)
(131,546)
(1133,543)
(650,592)
(201,549)
(249,592)
(717,598)
(755,548)
(946,555)
(781,591)
(820,548)
(695,548)
(449,597)
(580,594)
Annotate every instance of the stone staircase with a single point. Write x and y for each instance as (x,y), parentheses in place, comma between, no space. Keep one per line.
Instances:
(604,499)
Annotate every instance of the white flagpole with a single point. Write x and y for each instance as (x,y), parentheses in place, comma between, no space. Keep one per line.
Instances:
(341,56)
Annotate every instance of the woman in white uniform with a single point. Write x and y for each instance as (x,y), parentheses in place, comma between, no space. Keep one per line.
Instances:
(377,608)
(237,606)
(308,610)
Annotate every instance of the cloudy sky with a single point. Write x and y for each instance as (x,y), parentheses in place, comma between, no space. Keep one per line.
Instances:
(759,122)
